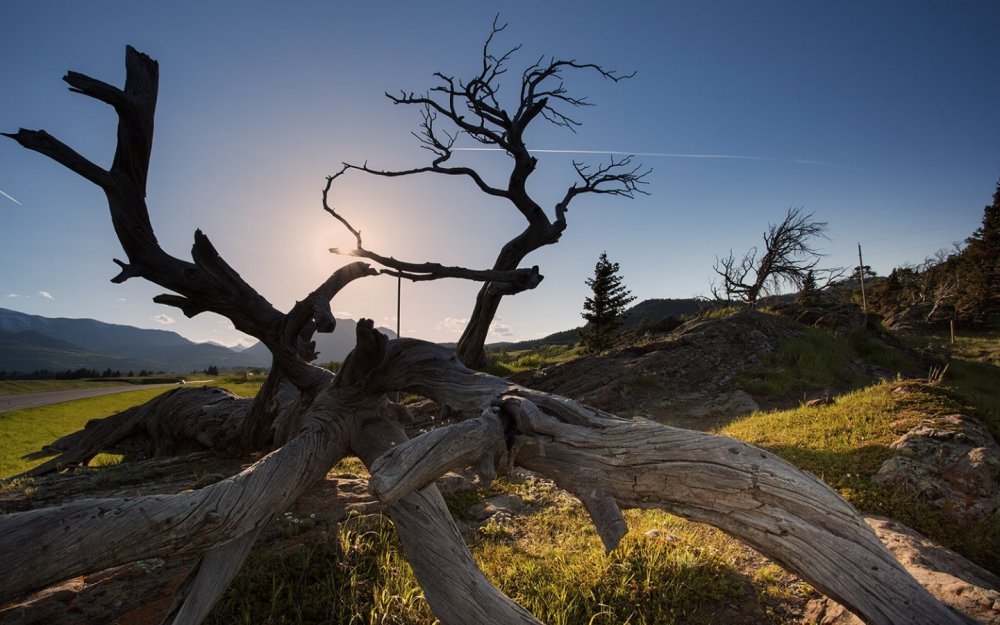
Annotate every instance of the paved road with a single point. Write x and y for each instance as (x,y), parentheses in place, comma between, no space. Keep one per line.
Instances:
(33,400)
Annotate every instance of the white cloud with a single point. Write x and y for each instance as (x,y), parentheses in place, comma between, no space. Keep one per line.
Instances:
(452,324)
(46,294)
(499,327)
(343,314)
(121,299)
(162,318)
(16,296)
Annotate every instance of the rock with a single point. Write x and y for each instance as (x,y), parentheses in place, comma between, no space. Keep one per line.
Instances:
(725,405)
(952,462)
(682,378)
(451,483)
(505,504)
(964,586)
(838,318)
(826,400)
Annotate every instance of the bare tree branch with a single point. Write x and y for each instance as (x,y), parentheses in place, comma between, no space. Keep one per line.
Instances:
(473,108)
(788,255)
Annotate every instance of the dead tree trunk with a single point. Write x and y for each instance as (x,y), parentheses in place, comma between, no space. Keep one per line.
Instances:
(606,461)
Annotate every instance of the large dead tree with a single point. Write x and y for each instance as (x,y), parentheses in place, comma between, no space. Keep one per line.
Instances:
(472,107)
(308,419)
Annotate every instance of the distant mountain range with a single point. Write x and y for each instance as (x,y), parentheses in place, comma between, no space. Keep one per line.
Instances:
(31,342)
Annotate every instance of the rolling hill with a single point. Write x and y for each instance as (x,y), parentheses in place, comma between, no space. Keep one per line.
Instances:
(31,342)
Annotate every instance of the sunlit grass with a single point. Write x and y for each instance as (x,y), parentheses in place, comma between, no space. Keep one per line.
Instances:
(550,560)
(973,369)
(846,443)
(504,363)
(26,431)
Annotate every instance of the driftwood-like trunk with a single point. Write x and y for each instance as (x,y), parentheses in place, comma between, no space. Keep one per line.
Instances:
(606,461)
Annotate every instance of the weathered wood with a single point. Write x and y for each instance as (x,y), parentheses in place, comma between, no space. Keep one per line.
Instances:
(605,460)
(788,515)
(455,587)
(51,544)
(209,580)
(179,421)
(419,461)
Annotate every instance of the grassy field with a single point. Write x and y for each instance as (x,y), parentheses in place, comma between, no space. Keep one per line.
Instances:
(503,363)
(25,431)
(973,369)
(22,387)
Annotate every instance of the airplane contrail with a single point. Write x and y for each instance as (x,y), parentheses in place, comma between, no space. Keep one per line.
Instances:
(738,157)
(10,198)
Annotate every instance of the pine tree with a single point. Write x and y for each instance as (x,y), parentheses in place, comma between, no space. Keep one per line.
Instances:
(603,309)
(809,291)
(981,293)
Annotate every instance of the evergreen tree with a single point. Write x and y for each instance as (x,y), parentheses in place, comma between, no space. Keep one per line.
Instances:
(605,307)
(866,272)
(981,264)
(809,292)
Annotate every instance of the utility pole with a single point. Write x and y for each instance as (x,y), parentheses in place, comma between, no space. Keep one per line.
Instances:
(861,273)
(399,298)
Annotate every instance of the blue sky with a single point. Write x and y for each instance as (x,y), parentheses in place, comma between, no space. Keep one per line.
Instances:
(879,117)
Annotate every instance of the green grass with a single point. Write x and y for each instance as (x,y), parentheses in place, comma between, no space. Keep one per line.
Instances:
(721,313)
(820,361)
(504,363)
(846,443)
(25,431)
(973,369)
(22,387)
(550,561)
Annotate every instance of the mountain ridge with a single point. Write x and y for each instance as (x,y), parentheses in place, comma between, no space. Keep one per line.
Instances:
(34,342)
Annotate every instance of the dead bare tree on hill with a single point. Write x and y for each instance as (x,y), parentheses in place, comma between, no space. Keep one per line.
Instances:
(787,257)
(473,108)
(308,419)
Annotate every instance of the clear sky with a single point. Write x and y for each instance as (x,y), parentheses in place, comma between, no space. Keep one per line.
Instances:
(881,117)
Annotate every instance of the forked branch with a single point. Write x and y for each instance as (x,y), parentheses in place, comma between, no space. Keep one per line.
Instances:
(472,107)
(207,284)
